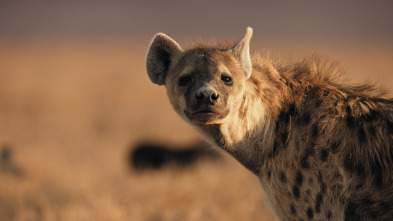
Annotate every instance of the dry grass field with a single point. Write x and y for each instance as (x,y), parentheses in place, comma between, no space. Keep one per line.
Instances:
(71,112)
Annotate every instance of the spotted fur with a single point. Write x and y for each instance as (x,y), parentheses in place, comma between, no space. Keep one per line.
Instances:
(322,149)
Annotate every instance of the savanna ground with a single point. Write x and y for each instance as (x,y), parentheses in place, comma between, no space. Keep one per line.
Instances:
(71,112)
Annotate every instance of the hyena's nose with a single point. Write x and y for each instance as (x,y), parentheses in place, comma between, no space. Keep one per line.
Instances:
(207,95)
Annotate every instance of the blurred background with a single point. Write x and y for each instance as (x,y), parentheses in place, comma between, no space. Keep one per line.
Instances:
(84,135)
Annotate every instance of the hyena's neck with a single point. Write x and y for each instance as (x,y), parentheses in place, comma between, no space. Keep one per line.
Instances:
(248,135)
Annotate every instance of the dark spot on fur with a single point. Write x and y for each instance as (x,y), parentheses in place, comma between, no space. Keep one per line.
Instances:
(315,130)
(378,179)
(386,206)
(373,213)
(361,135)
(374,114)
(312,145)
(296,192)
(371,131)
(389,125)
(275,149)
(329,214)
(314,95)
(337,174)
(335,145)
(306,118)
(318,202)
(299,178)
(391,152)
(283,122)
(350,118)
(348,162)
(350,213)
(304,161)
(310,181)
(377,170)
(310,213)
(350,121)
(269,174)
(367,202)
(284,117)
(292,109)
(278,123)
(293,209)
(324,154)
(283,177)
(318,103)
(321,183)
(284,137)
(360,170)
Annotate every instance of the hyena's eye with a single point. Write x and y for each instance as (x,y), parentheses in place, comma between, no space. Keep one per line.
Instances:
(183,81)
(227,80)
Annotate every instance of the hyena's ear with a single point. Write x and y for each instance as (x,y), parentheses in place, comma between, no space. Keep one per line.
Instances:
(159,57)
(242,52)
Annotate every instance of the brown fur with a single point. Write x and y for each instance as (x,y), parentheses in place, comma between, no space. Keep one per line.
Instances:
(322,149)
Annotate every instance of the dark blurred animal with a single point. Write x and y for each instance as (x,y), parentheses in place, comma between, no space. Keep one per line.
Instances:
(6,164)
(154,155)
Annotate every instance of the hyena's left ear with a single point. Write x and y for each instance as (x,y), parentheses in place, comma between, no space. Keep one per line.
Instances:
(160,56)
(242,52)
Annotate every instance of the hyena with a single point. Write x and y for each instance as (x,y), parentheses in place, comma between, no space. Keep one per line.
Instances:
(321,149)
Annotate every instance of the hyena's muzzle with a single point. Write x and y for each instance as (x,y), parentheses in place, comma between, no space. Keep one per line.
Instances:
(206,104)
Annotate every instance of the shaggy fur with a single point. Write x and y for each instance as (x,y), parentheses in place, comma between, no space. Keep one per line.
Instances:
(321,149)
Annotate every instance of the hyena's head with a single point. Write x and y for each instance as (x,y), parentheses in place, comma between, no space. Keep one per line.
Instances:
(205,85)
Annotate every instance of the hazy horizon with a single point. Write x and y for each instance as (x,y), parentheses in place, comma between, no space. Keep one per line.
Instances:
(309,20)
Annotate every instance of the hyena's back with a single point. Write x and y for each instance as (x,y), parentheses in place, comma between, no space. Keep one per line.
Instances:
(332,150)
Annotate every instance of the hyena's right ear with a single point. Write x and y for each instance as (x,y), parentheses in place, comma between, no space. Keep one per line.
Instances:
(160,56)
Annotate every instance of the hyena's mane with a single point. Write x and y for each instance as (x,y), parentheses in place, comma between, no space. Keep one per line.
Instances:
(310,73)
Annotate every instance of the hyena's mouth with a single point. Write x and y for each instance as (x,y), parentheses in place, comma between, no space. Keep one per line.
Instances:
(205,116)
(204,112)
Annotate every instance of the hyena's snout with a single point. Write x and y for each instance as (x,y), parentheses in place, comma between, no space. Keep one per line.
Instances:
(206,95)
(207,105)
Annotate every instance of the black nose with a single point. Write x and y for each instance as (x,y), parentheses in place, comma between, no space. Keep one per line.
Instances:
(210,97)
